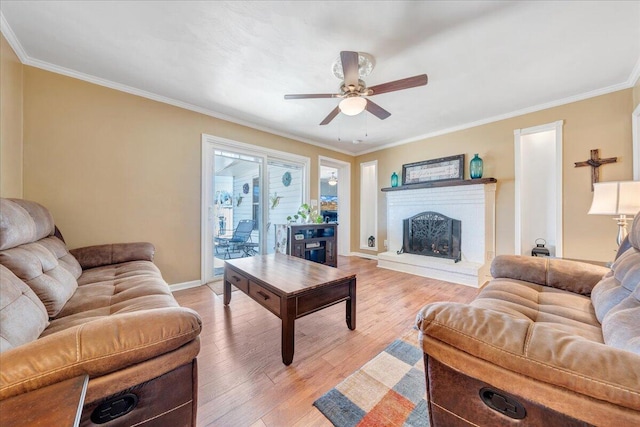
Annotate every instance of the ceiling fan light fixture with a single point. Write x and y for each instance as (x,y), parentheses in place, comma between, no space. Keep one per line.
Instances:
(365,66)
(353,105)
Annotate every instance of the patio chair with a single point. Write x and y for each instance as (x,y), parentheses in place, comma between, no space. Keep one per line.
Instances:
(238,241)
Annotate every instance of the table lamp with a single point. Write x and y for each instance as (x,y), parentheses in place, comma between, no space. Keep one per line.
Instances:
(619,199)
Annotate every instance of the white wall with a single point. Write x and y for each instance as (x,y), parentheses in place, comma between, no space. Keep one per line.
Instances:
(368,203)
(538,190)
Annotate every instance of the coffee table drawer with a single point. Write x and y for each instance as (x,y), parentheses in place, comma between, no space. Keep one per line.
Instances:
(265,297)
(237,280)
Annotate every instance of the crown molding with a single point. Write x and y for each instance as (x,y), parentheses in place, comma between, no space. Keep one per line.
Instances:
(27,60)
(8,33)
(635,74)
(166,100)
(533,109)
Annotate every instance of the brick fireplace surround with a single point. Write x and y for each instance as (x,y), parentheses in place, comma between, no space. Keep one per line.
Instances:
(470,201)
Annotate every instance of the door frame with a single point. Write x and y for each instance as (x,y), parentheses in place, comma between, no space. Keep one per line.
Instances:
(344,200)
(518,161)
(210,143)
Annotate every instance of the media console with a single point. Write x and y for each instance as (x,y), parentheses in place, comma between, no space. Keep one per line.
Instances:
(314,242)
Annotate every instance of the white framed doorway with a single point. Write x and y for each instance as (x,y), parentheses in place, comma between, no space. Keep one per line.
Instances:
(343,176)
(538,188)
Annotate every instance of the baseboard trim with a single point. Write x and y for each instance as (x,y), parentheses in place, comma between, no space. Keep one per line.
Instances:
(185,285)
(363,255)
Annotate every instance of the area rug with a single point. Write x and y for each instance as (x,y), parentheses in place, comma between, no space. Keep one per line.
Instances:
(389,390)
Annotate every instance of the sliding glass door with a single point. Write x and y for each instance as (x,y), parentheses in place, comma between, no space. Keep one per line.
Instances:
(236,206)
(245,204)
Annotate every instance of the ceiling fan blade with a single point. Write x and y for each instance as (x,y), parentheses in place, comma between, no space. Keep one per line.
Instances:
(377,110)
(407,83)
(330,117)
(312,95)
(350,67)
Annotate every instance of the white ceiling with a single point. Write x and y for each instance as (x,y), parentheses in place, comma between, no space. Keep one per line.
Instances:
(236,60)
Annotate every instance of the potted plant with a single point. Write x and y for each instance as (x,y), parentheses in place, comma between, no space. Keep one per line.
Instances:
(309,214)
(306,214)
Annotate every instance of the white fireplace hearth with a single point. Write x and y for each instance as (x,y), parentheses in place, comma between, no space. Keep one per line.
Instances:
(471,202)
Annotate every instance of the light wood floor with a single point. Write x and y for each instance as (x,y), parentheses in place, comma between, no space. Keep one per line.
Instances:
(241,378)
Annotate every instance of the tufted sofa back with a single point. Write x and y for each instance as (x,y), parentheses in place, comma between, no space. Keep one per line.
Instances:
(29,249)
(616,298)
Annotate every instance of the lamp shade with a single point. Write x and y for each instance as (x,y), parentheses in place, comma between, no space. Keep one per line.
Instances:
(616,198)
(353,105)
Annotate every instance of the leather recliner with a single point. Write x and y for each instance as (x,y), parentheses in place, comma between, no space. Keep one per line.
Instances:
(547,342)
(103,311)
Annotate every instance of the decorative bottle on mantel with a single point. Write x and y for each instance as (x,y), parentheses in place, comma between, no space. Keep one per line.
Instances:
(475,167)
(394,179)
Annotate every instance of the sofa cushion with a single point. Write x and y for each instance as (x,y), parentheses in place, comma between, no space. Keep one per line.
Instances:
(616,300)
(23,221)
(48,268)
(112,290)
(23,317)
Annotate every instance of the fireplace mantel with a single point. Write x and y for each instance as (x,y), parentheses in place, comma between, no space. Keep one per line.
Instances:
(453,183)
(470,201)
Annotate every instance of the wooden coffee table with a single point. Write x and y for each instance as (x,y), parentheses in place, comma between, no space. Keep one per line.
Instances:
(290,288)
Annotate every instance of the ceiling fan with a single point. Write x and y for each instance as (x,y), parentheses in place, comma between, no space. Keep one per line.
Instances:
(353,90)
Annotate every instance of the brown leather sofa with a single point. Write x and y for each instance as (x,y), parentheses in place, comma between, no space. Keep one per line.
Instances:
(547,342)
(103,311)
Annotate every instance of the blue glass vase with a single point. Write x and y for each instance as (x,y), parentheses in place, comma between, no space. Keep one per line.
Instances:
(394,179)
(475,167)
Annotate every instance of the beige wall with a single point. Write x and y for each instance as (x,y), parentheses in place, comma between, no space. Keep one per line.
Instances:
(602,122)
(114,167)
(10,121)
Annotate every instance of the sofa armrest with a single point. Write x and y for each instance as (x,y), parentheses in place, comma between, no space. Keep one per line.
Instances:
(572,276)
(96,348)
(538,351)
(100,255)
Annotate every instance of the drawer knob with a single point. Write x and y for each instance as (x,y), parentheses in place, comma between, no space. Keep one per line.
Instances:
(236,278)
(263,295)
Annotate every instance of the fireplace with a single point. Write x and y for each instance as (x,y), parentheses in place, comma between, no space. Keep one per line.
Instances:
(472,202)
(432,234)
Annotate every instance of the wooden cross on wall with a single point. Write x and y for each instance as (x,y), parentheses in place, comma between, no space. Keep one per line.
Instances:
(595,162)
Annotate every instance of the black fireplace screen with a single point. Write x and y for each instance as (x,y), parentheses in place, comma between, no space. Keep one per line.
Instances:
(432,234)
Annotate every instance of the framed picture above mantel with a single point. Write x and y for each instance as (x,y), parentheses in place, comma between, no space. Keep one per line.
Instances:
(443,169)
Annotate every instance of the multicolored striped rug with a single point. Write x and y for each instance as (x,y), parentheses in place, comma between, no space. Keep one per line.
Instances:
(389,390)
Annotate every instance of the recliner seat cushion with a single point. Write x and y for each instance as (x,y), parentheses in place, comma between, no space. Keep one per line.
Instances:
(112,290)
(543,305)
